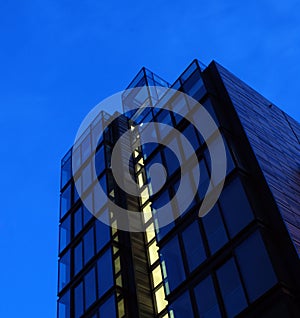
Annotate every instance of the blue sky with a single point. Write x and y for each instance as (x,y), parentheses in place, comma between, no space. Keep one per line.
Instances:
(60,58)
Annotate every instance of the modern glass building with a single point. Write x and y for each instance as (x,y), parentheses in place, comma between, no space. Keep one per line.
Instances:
(240,260)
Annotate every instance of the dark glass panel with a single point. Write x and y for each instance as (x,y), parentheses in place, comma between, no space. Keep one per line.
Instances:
(65,201)
(65,233)
(88,243)
(105,273)
(102,234)
(182,307)
(99,161)
(171,254)
(108,309)
(214,229)
(256,267)
(64,270)
(66,172)
(78,300)
(204,179)
(90,288)
(235,207)
(64,306)
(231,289)
(78,220)
(193,245)
(206,299)
(78,260)
(172,162)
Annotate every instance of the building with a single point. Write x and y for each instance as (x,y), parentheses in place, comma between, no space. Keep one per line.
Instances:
(240,260)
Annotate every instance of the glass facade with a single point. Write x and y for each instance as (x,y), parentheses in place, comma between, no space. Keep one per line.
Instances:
(222,265)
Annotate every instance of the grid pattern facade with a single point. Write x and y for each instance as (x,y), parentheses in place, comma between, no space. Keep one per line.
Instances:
(229,263)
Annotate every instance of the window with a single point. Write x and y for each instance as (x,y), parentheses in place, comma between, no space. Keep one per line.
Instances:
(88,243)
(86,177)
(99,161)
(65,201)
(156,276)
(165,118)
(64,306)
(231,289)
(86,148)
(172,158)
(160,301)
(206,299)
(213,144)
(214,229)
(161,218)
(87,215)
(66,172)
(102,234)
(64,270)
(108,309)
(191,136)
(90,288)
(153,253)
(193,246)
(235,206)
(105,273)
(154,187)
(194,86)
(182,307)
(185,199)
(78,221)
(65,233)
(179,107)
(171,255)
(78,261)
(78,300)
(204,178)
(255,265)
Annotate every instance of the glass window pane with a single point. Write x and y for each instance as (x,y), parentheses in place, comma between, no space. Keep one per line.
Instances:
(78,261)
(99,161)
(204,178)
(108,309)
(191,136)
(66,172)
(231,289)
(171,255)
(159,218)
(172,162)
(87,215)
(78,300)
(206,299)
(182,307)
(193,246)
(102,234)
(65,201)
(88,243)
(255,265)
(64,270)
(214,229)
(64,306)
(235,206)
(86,177)
(65,233)
(78,221)
(194,86)
(90,288)
(86,148)
(105,273)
